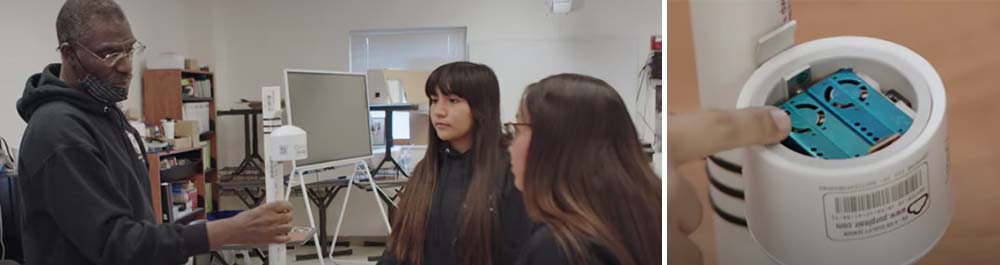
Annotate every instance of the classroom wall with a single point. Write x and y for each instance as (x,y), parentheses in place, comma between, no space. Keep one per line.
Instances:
(608,39)
(29,44)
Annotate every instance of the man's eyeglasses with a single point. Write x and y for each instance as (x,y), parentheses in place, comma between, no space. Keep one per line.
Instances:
(113,58)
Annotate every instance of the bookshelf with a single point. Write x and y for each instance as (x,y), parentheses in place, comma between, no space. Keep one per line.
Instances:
(162,97)
(158,179)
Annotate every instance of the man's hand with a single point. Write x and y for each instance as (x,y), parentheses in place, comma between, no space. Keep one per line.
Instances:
(694,136)
(266,224)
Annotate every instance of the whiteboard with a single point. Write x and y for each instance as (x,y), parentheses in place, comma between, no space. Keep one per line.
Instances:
(332,107)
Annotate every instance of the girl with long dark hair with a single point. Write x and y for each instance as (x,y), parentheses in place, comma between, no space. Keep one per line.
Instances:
(577,158)
(460,205)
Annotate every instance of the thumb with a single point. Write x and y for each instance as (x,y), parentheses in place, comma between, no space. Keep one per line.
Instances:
(695,135)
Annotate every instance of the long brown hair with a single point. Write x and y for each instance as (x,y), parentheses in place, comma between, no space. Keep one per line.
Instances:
(478,224)
(585,176)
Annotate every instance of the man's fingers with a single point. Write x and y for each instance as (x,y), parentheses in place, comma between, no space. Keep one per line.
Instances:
(281,229)
(278,207)
(277,219)
(285,218)
(280,239)
(694,135)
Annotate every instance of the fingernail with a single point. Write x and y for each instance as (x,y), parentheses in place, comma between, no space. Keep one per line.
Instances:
(781,120)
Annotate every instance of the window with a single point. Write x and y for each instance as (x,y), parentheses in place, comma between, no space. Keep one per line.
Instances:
(405,49)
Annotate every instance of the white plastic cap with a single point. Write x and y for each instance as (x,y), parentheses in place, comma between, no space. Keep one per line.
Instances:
(287,143)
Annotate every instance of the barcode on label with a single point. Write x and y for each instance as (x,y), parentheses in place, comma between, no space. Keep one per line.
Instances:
(878,198)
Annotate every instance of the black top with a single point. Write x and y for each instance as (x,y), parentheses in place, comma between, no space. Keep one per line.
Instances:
(543,249)
(85,185)
(441,235)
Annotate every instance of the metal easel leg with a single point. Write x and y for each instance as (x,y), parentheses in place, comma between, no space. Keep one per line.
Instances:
(343,209)
(375,191)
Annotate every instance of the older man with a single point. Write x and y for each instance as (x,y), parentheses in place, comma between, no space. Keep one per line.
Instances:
(83,169)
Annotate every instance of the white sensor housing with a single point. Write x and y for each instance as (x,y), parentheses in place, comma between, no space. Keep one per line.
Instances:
(887,207)
(287,143)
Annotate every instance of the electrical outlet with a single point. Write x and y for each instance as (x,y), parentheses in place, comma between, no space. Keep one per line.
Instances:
(843,116)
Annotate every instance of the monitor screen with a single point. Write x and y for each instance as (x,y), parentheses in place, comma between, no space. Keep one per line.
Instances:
(332,108)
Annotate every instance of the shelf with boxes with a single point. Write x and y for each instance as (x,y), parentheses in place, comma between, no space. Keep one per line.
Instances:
(177,184)
(185,97)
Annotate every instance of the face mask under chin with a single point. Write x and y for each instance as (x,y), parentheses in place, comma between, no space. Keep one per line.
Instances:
(102,91)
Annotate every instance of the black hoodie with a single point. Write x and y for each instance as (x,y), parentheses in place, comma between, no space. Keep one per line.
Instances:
(85,186)
(442,233)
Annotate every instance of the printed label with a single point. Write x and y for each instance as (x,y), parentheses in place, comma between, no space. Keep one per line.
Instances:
(876,209)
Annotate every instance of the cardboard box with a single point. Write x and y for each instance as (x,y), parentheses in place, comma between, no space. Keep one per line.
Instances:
(181,143)
(186,129)
(419,122)
(411,82)
(191,64)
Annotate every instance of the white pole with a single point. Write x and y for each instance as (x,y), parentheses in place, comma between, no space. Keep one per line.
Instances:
(725,35)
(273,184)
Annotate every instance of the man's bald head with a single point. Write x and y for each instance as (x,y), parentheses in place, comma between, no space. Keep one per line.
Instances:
(77,16)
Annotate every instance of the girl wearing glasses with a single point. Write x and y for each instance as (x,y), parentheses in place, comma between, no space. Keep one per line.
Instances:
(577,159)
(460,206)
